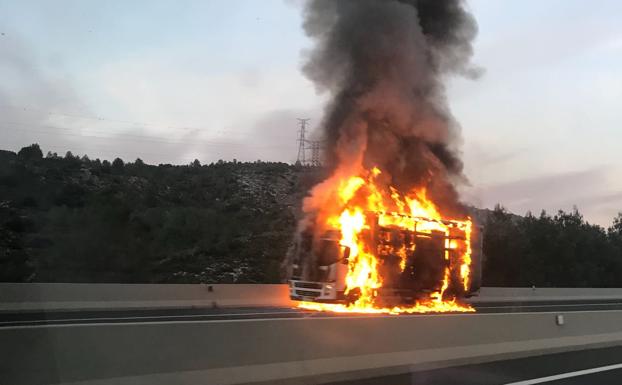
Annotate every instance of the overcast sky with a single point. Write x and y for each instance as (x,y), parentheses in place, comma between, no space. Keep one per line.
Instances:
(170,81)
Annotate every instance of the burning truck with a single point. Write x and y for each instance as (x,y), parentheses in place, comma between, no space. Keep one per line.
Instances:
(385,253)
(387,230)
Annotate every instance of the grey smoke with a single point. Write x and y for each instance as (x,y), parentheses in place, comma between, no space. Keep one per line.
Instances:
(383,62)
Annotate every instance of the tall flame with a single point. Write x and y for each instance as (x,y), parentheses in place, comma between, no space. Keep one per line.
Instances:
(414,212)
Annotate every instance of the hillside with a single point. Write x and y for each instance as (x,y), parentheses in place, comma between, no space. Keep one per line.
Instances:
(79,220)
(70,219)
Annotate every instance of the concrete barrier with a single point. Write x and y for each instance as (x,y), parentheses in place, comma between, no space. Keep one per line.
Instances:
(68,296)
(287,351)
(530,294)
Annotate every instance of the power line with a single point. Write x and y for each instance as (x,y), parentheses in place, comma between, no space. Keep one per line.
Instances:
(112,120)
(132,137)
(302,142)
(315,153)
(115,153)
(126,137)
(304,145)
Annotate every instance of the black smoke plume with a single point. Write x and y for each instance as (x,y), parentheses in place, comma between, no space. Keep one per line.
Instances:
(384,62)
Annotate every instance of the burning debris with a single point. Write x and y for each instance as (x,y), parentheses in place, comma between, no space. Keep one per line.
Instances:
(386,232)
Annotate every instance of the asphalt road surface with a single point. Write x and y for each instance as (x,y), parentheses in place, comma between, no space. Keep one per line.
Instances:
(596,366)
(29,318)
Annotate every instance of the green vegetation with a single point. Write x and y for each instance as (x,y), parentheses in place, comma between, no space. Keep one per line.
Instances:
(562,250)
(72,219)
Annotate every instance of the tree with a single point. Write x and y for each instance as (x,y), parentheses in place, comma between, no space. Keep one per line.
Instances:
(70,195)
(117,165)
(30,153)
(195,163)
(106,166)
(14,258)
(614,233)
(616,228)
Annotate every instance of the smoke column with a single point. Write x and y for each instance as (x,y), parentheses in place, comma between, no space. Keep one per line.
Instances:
(383,63)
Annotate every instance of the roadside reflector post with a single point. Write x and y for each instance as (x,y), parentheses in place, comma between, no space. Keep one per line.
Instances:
(559,319)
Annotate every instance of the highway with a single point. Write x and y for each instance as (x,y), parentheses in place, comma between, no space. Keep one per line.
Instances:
(594,366)
(180,314)
(122,334)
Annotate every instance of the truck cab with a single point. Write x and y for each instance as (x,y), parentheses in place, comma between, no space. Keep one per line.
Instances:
(325,268)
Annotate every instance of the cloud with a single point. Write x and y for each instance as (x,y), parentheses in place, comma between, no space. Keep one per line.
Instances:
(148,106)
(588,190)
(480,155)
(248,115)
(271,138)
(28,93)
(275,134)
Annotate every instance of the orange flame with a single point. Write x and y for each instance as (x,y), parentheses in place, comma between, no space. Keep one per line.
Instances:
(413,212)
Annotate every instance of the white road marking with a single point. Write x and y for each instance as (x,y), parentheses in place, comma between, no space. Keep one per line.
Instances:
(309,315)
(567,375)
(293,311)
(129,318)
(316,316)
